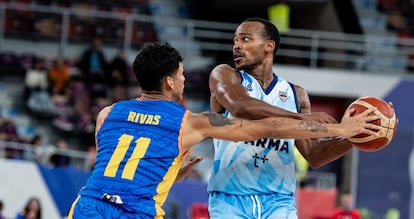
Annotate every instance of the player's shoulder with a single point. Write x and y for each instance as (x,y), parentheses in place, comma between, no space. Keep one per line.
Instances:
(224,73)
(223,66)
(222,69)
(297,86)
(105,111)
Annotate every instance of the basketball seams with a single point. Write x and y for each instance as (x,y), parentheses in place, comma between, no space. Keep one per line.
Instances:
(363,139)
(368,105)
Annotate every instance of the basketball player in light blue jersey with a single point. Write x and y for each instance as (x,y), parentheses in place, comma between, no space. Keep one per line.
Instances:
(142,142)
(260,156)
(256,179)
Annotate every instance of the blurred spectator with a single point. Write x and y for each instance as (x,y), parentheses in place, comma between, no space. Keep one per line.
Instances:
(91,157)
(64,112)
(26,60)
(37,151)
(8,132)
(32,210)
(59,76)
(396,21)
(92,65)
(346,210)
(80,99)
(36,77)
(60,158)
(1,210)
(37,94)
(117,76)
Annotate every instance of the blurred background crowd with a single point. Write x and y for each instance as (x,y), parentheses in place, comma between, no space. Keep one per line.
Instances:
(62,61)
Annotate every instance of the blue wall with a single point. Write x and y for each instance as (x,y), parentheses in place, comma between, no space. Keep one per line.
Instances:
(383,177)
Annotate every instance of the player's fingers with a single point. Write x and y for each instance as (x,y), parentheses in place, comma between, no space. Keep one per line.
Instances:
(369,111)
(196,159)
(371,131)
(374,117)
(348,112)
(371,126)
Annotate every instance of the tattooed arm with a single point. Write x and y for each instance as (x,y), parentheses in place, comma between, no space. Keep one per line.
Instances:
(197,127)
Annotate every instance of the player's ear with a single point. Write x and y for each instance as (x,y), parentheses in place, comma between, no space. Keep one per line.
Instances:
(170,82)
(270,46)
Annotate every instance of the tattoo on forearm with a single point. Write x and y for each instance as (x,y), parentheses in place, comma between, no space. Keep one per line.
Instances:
(313,127)
(217,119)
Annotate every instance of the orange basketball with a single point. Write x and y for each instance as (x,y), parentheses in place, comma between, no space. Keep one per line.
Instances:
(374,143)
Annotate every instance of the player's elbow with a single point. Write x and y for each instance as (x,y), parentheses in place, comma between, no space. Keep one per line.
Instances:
(315,165)
(240,111)
(237,112)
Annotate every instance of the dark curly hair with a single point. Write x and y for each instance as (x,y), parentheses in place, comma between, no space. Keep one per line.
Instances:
(154,62)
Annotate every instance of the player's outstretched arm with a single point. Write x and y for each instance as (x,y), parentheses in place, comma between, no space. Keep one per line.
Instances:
(200,126)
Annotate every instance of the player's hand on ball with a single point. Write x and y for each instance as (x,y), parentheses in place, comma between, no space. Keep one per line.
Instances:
(388,122)
(361,123)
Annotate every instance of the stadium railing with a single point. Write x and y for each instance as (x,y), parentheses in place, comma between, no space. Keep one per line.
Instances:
(313,49)
(78,159)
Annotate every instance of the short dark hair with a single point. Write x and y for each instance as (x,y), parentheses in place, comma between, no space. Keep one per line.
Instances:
(270,30)
(154,62)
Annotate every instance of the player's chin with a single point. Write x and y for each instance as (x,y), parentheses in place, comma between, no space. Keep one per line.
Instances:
(239,65)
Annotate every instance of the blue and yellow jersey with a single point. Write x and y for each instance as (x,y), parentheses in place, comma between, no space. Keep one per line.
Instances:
(139,155)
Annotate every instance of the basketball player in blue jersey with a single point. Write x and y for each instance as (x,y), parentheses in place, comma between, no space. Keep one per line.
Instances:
(256,179)
(142,142)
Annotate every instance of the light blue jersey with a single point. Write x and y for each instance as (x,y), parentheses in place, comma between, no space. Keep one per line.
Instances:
(263,166)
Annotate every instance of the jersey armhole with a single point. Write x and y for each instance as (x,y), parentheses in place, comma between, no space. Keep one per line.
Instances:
(180,135)
(295,96)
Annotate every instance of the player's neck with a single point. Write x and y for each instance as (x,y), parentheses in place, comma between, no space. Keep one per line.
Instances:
(154,95)
(264,79)
(263,73)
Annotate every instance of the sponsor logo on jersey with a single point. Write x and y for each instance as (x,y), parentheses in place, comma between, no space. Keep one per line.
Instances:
(283,96)
(276,144)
